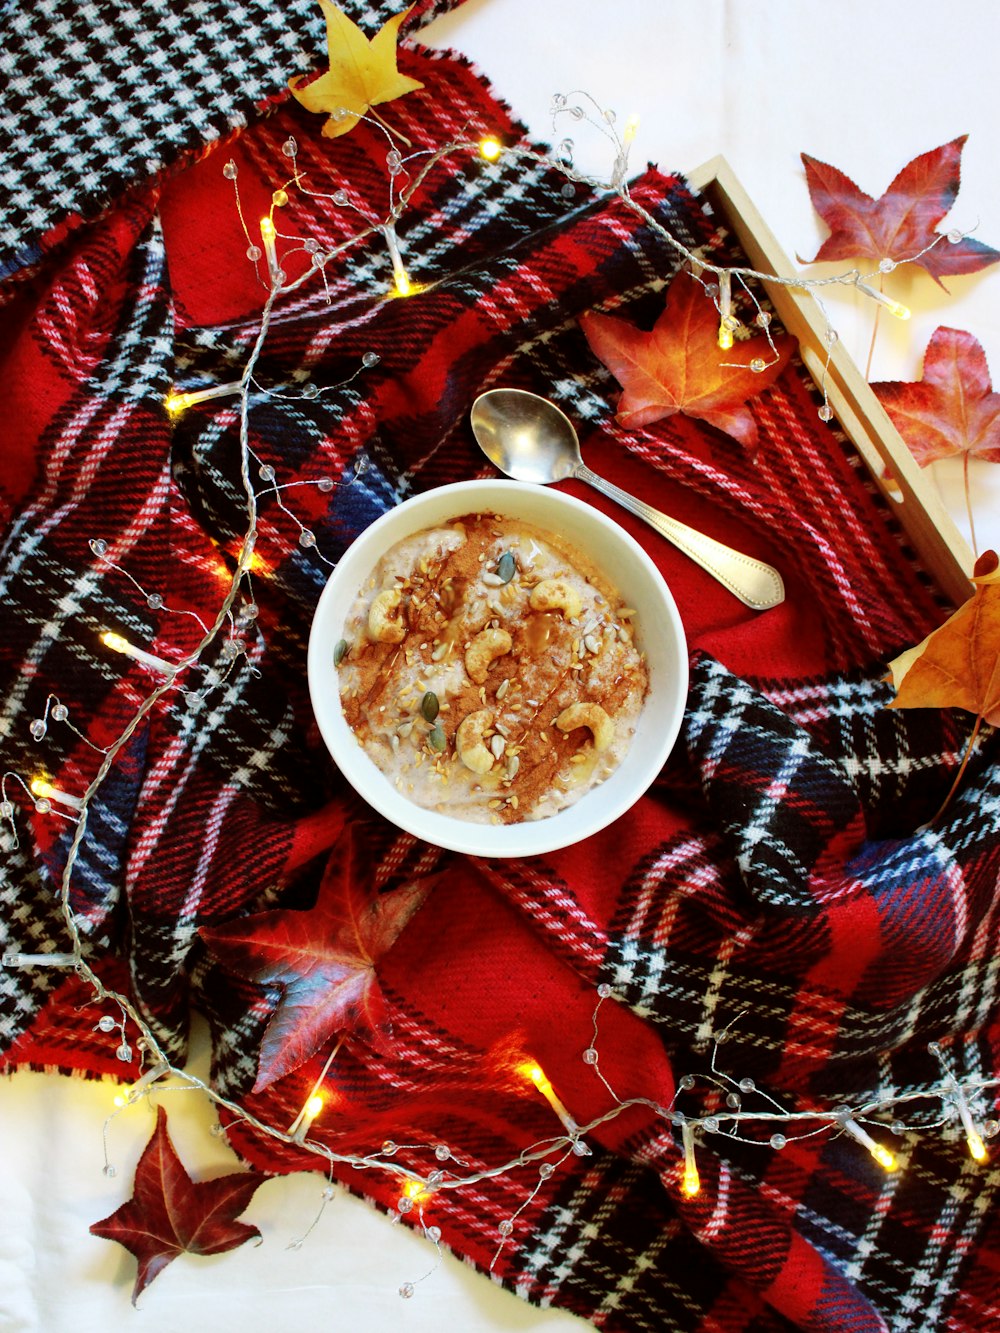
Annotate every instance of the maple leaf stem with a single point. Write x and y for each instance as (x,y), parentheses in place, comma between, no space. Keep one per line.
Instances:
(961,769)
(391,128)
(871,345)
(968,504)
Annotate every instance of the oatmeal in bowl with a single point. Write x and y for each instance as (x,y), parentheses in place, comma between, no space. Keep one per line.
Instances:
(498,668)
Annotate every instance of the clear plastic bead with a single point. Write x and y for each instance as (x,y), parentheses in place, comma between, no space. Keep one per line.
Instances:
(319,260)
(328,1192)
(404,1204)
(604,991)
(370,359)
(99,546)
(687,1082)
(590,1056)
(898,1127)
(307,539)
(778,1141)
(558,101)
(192,699)
(310,391)
(747,1085)
(312,246)
(59,713)
(733,1101)
(406,1290)
(106,1023)
(825,413)
(110,1171)
(434,1234)
(568,191)
(266,472)
(991,1128)
(217,1130)
(124,1053)
(278,276)
(886,265)
(505,1227)
(576,112)
(388,1148)
(254,253)
(43,805)
(546,1170)
(362,465)
(6,810)
(289,147)
(955,236)
(154,601)
(711,1125)
(758,365)
(933,1048)
(38,729)
(341,198)
(832,337)
(581,1149)
(250,611)
(230,170)
(442,1152)
(279,198)
(610,117)
(763,319)
(394,162)
(712,290)
(435,1178)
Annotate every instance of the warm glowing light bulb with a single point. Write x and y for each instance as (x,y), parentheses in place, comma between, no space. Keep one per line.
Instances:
(267,229)
(490,149)
(691,1181)
(120,1100)
(631,125)
(115,642)
(176,402)
(403,285)
(899,310)
(39,787)
(313,1107)
(884,1157)
(977,1147)
(725,337)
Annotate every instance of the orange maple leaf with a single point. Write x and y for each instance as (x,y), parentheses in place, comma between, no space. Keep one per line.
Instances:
(678,365)
(958,664)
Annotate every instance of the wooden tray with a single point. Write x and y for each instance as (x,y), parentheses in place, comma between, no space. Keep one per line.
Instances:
(944,552)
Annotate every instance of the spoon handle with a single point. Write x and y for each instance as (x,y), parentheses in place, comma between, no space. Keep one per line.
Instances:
(754,583)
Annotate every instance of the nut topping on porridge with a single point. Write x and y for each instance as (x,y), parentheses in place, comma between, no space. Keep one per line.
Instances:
(490,670)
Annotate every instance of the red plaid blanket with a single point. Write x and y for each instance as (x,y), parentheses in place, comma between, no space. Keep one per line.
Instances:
(776,880)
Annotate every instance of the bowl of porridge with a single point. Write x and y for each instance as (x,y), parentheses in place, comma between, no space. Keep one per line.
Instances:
(498,668)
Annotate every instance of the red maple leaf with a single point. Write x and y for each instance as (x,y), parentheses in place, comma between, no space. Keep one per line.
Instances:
(678,365)
(900,224)
(953,409)
(171,1214)
(323,960)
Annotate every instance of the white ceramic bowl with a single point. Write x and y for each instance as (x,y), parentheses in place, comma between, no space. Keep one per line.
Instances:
(658,629)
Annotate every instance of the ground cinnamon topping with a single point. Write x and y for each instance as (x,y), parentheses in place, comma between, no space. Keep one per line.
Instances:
(505,628)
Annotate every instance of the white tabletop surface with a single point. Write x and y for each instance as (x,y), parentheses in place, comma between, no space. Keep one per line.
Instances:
(863,86)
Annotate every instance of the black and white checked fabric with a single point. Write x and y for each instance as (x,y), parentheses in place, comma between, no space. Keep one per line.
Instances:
(97,98)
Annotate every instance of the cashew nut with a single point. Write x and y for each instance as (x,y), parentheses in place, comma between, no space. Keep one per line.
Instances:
(556,595)
(589,715)
(382,625)
(484,648)
(469,742)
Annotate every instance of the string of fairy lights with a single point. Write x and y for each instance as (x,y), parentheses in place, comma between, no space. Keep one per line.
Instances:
(963,1100)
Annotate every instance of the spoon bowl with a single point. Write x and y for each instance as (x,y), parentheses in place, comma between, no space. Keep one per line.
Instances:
(530,439)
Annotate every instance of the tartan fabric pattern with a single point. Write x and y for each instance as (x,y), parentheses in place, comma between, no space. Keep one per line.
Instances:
(97,99)
(833,947)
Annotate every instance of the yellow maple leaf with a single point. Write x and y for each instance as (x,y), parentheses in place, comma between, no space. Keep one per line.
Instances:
(958,664)
(362,72)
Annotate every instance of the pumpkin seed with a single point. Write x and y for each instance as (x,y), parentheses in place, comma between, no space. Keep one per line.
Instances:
(436,739)
(507,566)
(429,706)
(339,652)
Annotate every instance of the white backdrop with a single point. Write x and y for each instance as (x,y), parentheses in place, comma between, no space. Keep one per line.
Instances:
(865,87)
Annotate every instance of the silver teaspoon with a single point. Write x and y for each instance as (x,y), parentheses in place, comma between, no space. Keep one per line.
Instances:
(530,439)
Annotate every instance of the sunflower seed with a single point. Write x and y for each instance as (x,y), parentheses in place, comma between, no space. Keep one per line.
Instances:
(497,745)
